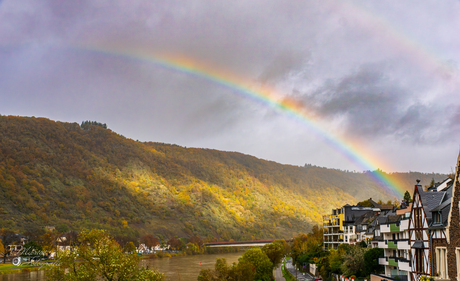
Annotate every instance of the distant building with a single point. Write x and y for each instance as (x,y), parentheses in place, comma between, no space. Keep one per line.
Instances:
(340,226)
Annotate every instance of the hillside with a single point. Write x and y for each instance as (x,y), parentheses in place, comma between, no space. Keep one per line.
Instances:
(54,173)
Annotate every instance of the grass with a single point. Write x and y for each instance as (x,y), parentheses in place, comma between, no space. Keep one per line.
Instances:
(286,274)
(11,268)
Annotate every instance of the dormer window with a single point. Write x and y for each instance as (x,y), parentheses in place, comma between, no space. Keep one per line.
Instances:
(437,218)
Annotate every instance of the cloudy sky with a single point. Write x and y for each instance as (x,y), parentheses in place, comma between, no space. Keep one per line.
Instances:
(380,76)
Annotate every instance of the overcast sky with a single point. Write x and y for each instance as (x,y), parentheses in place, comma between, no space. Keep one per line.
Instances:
(383,74)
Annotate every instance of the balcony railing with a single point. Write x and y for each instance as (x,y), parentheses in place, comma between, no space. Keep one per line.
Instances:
(403,244)
(401,263)
(392,245)
(389,228)
(404,265)
(394,228)
(404,225)
(383,261)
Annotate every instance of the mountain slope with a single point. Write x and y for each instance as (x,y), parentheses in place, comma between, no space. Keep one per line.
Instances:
(54,173)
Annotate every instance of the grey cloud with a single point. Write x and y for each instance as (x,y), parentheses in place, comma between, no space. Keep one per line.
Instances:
(283,64)
(373,105)
(313,46)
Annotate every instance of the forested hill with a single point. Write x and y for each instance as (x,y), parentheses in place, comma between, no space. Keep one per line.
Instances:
(67,175)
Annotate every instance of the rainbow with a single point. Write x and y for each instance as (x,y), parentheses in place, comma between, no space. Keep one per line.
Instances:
(370,22)
(269,98)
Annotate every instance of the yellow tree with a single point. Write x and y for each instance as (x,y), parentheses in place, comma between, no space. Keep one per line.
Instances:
(2,249)
(99,257)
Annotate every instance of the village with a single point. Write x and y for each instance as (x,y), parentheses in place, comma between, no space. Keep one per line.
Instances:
(420,239)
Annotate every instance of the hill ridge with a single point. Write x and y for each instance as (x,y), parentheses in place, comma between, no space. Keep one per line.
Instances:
(56,173)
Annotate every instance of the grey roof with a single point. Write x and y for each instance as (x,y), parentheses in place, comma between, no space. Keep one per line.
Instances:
(431,200)
(393,218)
(378,238)
(365,218)
(448,191)
(352,213)
(382,219)
(418,245)
(442,206)
(445,215)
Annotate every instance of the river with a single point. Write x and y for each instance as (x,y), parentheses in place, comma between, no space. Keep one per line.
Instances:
(183,268)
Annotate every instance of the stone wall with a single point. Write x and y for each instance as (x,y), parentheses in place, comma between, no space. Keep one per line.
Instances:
(454,228)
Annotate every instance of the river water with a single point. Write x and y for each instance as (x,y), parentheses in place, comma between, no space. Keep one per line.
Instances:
(183,268)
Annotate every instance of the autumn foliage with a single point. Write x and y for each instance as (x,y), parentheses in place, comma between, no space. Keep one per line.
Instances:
(63,174)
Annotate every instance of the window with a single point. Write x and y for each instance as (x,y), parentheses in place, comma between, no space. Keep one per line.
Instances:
(441,262)
(419,260)
(437,217)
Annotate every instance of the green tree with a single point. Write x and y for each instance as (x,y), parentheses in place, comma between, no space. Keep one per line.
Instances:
(62,228)
(241,271)
(366,203)
(371,261)
(99,258)
(192,249)
(130,247)
(335,260)
(407,197)
(353,262)
(32,248)
(286,246)
(275,252)
(263,265)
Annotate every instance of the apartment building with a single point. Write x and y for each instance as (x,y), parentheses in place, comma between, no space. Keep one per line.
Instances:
(340,226)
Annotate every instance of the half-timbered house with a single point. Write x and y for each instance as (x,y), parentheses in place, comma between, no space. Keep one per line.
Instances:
(419,233)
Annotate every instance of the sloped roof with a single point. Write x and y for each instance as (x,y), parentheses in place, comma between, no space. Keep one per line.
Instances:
(393,218)
(445,184)
(442,205)
(365,218)
(431,200)
(380,206)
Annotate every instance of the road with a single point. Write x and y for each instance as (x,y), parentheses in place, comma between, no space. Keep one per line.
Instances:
(279,273)
(300,276)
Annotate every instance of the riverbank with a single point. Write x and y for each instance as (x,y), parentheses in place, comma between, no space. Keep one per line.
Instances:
(11,268)
(183,268)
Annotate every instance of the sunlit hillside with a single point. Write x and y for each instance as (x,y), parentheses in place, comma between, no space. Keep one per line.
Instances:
(54,173)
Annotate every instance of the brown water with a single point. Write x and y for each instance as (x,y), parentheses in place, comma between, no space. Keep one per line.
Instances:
(184,268)
(187,268)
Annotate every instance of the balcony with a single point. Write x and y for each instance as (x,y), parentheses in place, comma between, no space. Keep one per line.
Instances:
(394,228)
(404,225)
(389,228)
(393,262)
(404,265)
(403,244)
(401,263)
(392,245)
(385,228)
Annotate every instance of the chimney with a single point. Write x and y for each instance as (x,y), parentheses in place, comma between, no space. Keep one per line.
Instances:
(418,185)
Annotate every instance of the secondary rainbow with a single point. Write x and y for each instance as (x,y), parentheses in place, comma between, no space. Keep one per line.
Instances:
(267,97)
